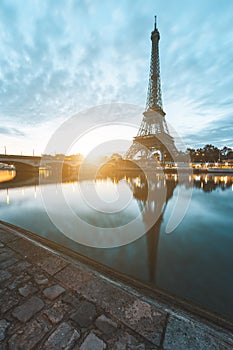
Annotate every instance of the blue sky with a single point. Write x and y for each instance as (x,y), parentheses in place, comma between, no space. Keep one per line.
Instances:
(60,57)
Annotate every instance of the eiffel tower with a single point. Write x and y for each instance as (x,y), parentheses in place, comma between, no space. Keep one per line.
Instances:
(153,134)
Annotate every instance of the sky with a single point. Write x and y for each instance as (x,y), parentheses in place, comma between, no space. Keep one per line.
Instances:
(58,58)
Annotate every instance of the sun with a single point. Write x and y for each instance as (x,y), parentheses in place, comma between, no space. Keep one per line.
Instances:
(104,140)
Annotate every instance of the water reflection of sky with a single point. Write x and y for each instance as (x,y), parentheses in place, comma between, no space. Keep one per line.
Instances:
(194,262)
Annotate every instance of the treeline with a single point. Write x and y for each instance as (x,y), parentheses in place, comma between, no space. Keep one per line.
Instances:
(210,154)
(61,157)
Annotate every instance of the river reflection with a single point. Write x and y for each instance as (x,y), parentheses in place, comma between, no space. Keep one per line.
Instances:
(7,175)
(194,262)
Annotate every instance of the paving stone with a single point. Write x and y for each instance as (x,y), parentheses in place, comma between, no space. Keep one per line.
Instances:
(128,342)
(134,313)
(145,320)
(71,299)
(108,296)
(64,337)
(93,342)
(52,264)
(3,328)
(85,314)
(7,301)
(53,292)
(41,279)
(181,334)
(6,237)
(39,276)
(36,270)
(6,263)
(56,313)
(4,256)
(73,277)
(22,278)
(105,324)
(139,347)
(6,253)
(13,328)
(5,250)
(25,311)
(27,290)
(29,336)
(26,248)
(4,275)
(48,261)
(20,266)
(1,245)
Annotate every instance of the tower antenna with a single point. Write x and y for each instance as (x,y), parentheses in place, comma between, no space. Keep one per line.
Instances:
(155,22)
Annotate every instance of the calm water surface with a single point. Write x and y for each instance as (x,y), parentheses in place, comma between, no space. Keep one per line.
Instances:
(194,262)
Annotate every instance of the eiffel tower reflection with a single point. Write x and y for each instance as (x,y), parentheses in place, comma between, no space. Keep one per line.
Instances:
(160,188)
(150,207)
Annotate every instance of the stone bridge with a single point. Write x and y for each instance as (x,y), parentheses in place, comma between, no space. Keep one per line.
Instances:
(34,162)
(20,160)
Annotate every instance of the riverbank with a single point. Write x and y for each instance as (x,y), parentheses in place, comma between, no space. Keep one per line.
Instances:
(52,300)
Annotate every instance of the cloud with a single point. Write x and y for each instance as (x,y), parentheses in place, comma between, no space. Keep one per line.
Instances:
(11,131)
(57,59)
(218,133)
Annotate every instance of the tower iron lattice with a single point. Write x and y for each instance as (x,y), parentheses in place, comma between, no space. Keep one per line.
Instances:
(153,134)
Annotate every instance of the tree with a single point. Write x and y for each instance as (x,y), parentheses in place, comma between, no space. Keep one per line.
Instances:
(192,153)
(225,152)
(211,153)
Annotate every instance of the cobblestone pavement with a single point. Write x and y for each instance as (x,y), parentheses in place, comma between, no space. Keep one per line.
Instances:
(49,302)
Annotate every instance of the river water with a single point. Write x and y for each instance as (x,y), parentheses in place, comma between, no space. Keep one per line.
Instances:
(193,262)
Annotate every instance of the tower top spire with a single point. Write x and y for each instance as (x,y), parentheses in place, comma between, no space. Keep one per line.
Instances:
(154,95)
(155,22)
